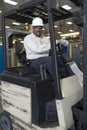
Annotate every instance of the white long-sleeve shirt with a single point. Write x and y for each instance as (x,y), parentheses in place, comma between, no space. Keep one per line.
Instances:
(36,46)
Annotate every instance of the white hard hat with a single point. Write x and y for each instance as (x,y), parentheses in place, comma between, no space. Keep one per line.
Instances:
(37,22)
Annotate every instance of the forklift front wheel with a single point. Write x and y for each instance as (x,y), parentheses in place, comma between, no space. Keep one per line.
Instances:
(5,121)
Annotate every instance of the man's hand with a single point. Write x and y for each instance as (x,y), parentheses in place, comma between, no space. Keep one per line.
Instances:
(62,42)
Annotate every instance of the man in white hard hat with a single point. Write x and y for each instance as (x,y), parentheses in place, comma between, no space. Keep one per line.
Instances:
(37,47)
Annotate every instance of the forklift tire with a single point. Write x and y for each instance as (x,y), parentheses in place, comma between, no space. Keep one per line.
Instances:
(5,121)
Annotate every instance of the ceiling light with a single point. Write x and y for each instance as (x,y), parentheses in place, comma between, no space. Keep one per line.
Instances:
(11,2)
(55,26)
(67,7)
(69,23)
(20,39)
(7,26)
(43,29)
(71,30)
(74,36)
(63,37)
(16,23)
(70,34)
(0,11)
(59,32)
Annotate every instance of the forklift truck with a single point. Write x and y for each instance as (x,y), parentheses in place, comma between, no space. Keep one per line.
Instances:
(26,99)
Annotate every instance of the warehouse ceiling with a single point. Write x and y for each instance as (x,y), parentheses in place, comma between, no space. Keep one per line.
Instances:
(60,26)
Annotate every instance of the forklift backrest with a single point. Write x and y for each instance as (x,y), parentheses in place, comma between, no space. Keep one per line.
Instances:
(20,52)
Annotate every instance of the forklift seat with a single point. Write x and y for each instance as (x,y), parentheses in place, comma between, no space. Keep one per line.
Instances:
(21,54)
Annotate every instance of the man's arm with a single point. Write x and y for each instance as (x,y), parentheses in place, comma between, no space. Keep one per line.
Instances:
(62,42)
(35,46)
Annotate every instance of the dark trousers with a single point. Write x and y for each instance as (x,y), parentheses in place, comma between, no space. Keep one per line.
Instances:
(64,70)
(36,63)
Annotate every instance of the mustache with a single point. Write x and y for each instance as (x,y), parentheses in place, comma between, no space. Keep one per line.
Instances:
(39,31)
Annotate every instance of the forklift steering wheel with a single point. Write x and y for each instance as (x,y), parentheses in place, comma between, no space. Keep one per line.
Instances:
(60,49)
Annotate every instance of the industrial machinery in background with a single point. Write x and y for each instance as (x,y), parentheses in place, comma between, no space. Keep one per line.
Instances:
(76,53)
(34,101)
